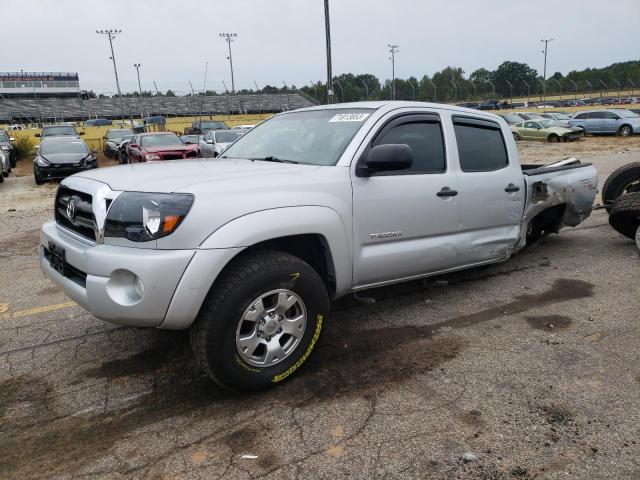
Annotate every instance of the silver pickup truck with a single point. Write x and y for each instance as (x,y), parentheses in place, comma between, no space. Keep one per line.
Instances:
(247,250)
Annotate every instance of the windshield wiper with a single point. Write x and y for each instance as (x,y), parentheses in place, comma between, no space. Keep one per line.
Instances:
(271,158)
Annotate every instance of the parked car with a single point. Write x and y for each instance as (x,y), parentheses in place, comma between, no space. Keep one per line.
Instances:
(213,143)
(7,148)
(59,157)
(113,138)
(153,147)
(122,149)
(560,119)
(614,121)
(97,122)
(59,131)
(544,130)
(313,204)
(529,116)
(489,105)
(200,127)
(5,165)
(191,138)
(511,118)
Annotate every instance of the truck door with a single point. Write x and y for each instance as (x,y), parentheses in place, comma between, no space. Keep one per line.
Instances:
(492,190)
(405,221)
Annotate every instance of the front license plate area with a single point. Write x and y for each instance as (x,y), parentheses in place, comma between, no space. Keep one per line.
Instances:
(57,258)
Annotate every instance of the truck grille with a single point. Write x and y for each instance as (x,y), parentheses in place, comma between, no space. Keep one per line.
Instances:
(79,216)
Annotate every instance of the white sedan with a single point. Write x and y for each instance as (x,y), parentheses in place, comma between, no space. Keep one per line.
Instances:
(214,142)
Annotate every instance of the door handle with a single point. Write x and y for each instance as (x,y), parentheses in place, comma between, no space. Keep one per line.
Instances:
(512,188)
(447,192)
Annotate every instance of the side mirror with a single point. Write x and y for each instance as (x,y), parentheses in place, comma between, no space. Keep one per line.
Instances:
(386,158)
(210,142)
(37,135)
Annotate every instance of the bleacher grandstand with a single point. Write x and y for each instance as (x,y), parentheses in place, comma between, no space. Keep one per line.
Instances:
(40,84)
(44,110)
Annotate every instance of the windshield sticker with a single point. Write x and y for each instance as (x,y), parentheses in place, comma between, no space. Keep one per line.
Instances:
(349,117)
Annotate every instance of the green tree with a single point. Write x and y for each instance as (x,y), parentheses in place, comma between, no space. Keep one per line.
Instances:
(515,73)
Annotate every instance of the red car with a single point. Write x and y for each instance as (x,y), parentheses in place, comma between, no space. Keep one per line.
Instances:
(155,147)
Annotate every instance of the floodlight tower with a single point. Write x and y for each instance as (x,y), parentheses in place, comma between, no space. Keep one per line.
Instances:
(137,67)
(230,37)
(393,49)
(111,34)
(544,74)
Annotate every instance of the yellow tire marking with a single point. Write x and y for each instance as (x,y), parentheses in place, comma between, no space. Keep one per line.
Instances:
(301,360)
(35,311)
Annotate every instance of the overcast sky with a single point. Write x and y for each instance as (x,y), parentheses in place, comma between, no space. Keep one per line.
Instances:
(284,39)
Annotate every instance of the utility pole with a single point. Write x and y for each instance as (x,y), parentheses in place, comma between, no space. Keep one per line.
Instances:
(111,34)
(544,74)
(137,67)
(393,49)
(230,37)
(327,33)
(341,90)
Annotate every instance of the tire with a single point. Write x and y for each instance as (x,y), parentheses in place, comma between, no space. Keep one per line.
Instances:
(37,177)
(625,131)
(1,177)
(625,179)
(222,320)
(553,138)
(625,215)
(13,160)
(516,137)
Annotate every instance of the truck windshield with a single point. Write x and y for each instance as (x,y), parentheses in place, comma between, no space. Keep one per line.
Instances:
(313,137)
(212,125)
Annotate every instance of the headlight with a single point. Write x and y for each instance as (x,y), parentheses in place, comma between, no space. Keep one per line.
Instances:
(153,157)
(40,161)
(141,217)
(6,147)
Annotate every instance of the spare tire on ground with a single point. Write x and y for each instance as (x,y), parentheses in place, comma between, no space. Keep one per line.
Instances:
(625,214)
(625,179)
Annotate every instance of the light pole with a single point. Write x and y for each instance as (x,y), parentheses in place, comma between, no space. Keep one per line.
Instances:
(137,67)
(544,74)
(111,34)
(230,37)
(393,49)
(366,88)
(327,33)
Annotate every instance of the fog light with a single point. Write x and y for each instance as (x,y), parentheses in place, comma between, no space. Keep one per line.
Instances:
(139,286)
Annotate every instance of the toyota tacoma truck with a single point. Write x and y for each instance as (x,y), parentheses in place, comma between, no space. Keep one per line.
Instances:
(247,251)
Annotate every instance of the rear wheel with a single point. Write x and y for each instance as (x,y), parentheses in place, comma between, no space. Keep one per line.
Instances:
(625,215)
(625,179)
(625,131)
(516,137)
(260,321)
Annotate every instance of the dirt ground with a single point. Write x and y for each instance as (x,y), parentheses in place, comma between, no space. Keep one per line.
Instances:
(525,370)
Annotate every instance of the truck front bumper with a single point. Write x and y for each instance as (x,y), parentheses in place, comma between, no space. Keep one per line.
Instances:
(132,286)
(129,286)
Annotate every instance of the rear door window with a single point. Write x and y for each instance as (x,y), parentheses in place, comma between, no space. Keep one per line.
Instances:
(481,147)
(596,115)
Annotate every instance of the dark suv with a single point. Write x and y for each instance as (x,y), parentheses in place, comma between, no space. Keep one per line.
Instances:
(200,127)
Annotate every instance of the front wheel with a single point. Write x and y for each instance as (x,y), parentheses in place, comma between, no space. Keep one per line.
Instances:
(260,321)
(625,131)
(37,175)
(553,138)
(516,137)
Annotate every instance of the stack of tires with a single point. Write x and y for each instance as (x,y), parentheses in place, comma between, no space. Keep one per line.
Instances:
(621,197)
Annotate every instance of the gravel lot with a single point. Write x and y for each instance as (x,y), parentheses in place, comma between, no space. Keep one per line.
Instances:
(528,369)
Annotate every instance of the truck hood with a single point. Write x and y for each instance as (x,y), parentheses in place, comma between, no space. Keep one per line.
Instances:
(183,175)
